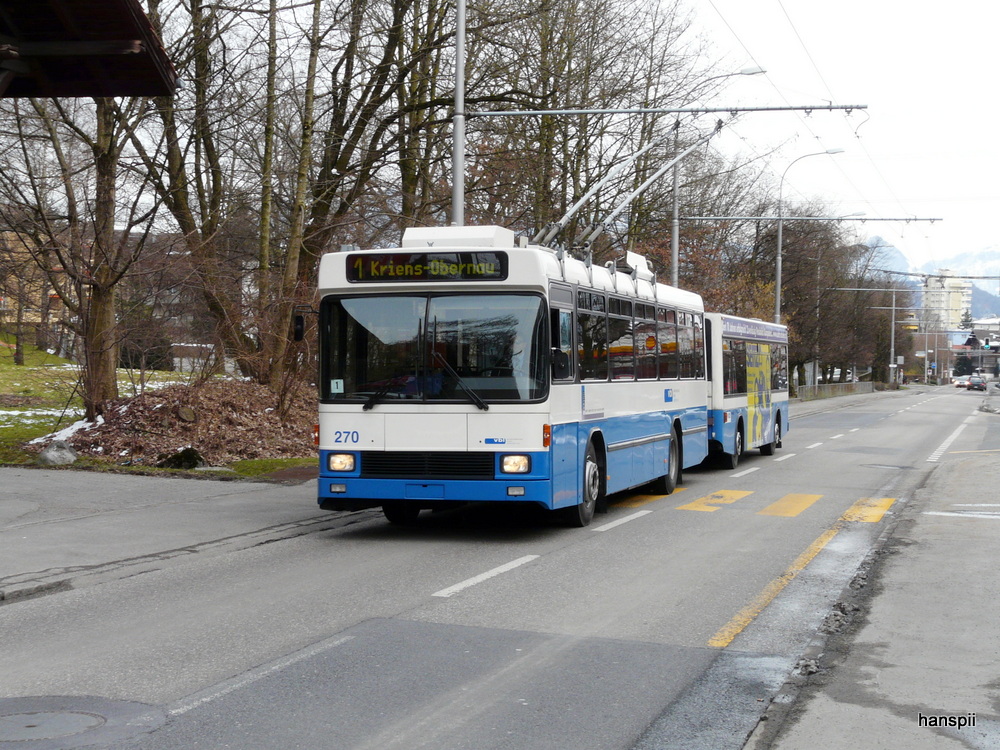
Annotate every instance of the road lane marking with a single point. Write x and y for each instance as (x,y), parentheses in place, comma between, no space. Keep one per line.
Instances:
(451,590)
(868,509)
(837,436)
(747,615)
(639,500)
(744,473)
(933,458)
(711,502)
(814,445)
(785,457)
(620,521)
(789,506)
(962,514)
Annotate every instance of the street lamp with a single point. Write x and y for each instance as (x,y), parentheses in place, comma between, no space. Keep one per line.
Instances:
(777,260)
(675,223)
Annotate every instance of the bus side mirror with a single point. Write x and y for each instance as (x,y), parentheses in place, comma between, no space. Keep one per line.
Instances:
(299,328)
(560,364)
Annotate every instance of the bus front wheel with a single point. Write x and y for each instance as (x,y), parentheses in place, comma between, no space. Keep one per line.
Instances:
(768,449)
(732,460)
(401,514)
(593,491)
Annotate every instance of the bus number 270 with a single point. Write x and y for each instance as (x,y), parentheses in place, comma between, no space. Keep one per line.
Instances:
(346,436)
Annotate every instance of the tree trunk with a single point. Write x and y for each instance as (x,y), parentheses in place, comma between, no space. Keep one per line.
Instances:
(100,324)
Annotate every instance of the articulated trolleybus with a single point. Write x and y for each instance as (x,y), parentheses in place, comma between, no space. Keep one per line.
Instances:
(468,366)
(748,386)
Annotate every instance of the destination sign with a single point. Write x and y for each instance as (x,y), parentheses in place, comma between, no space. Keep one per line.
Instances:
(403,267)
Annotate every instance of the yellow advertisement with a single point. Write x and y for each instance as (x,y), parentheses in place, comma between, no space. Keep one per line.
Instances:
(758,393)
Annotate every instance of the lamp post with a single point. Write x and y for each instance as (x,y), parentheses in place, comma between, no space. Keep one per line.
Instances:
(675,223)
(777,259)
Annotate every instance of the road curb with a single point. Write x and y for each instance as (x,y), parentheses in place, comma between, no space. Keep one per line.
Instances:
(775,717)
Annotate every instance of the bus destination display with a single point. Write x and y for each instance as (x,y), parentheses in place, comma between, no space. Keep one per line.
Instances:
(403,267)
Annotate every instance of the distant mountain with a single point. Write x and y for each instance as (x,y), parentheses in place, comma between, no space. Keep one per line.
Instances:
(890,258)
(986,262)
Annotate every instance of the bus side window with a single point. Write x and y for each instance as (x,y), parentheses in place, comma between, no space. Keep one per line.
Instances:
(666,336)
(592,346)
(562,345)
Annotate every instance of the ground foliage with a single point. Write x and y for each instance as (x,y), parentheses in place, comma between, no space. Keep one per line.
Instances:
(225,421)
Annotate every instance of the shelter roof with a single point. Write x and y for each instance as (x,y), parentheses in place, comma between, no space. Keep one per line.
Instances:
(71,48)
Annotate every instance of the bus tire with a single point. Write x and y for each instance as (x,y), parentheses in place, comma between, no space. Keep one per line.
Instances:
(768,449)
(666,484)
(401,514)
(581,515)
(732,460)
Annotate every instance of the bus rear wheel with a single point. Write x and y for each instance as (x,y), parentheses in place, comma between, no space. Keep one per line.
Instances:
(593,492)
(401,514)
(668,482)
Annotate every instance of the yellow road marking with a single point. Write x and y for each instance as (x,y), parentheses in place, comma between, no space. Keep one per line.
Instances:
(637,501)
(711,502)
(868,509)
(789,506)
(746,615)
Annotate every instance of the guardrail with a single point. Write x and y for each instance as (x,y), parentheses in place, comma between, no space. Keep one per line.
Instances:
(829,390)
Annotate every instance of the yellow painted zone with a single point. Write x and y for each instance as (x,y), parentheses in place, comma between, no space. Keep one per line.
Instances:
(637,501)
(746,615)
(789,506)
(868,509)
(712,502)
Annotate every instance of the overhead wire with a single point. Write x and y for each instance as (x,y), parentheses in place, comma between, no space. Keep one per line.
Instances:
(856,137)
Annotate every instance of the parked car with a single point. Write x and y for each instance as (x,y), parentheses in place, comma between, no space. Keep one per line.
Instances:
(962,381)
(976,383)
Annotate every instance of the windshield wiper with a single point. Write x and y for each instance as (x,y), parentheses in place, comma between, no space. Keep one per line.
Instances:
(476,399)
(377,396)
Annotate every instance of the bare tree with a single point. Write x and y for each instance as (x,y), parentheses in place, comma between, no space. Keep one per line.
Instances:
(60,184)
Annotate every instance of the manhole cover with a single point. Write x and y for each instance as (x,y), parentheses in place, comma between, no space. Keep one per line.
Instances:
(46,725)
(51,722)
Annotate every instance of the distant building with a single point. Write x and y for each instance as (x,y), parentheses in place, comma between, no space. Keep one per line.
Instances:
(946,300)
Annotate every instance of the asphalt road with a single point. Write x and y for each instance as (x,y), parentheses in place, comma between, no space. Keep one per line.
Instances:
(206,614)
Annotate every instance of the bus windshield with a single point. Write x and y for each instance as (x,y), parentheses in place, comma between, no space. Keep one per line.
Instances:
(424,347)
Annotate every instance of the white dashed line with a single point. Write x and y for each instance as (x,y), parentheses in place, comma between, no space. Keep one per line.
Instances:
(485,576)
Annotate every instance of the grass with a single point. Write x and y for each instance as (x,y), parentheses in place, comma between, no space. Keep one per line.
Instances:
(42,396)
(260,466)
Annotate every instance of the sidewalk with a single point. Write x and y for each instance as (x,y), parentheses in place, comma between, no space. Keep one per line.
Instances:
(918,667)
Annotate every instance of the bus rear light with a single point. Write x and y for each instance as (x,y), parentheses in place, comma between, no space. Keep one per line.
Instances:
(316,435)
(546,435)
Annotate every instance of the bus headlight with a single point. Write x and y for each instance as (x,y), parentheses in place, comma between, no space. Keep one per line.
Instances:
(515,464)
(340,462)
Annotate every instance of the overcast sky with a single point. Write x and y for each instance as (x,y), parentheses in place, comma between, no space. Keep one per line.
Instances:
(927,145)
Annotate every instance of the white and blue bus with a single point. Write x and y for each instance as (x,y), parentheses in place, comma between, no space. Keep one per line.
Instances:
(748,386)
(468,366)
